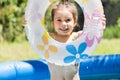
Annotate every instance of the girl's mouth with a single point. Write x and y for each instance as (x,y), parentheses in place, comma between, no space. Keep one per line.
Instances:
(66,29)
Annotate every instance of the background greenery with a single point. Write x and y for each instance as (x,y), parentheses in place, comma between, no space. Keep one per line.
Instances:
(11,13)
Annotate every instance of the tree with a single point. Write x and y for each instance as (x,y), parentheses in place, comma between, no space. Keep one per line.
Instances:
(11,12)
(112,11)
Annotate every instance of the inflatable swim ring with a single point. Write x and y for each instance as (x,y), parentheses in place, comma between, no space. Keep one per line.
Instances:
(64,53)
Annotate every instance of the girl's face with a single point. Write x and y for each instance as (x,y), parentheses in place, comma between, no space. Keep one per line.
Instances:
(63,22)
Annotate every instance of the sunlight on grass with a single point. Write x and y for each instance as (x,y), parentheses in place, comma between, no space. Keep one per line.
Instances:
(106,46)
(16,51)
(23,50)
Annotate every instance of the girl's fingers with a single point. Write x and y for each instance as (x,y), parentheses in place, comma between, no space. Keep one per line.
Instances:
(24,22)
(104,22)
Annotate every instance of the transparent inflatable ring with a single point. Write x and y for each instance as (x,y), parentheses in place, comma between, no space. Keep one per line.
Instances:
(64,53)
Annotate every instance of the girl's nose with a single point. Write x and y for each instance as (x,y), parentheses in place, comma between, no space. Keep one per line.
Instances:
(64,23)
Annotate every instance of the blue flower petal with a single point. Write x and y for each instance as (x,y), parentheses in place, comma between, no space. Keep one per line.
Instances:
(71,49)
(82,47)
(84,56)
(69,59)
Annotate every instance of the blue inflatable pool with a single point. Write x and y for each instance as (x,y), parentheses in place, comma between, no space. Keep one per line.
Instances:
(105,67)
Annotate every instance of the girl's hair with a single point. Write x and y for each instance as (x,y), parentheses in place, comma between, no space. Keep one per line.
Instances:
(67,4)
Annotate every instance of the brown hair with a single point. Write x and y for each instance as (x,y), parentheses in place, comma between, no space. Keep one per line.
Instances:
(69,5)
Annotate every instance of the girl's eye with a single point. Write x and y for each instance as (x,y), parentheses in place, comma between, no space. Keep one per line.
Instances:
(59,20)
(67,20)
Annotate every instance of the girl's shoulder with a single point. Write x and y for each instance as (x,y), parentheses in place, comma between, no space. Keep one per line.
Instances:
(75,35)
(52,35)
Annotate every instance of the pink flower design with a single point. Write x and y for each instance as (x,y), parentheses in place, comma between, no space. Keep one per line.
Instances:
(93,27)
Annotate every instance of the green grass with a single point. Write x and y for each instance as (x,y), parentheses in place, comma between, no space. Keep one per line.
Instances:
(16,51)
(23,51)
(106,46)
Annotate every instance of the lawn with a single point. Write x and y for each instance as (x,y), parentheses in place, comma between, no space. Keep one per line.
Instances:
(16,51)
(106,46)
(23,50)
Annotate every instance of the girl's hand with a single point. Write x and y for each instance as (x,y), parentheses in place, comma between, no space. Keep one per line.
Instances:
(104,21)
(24,22)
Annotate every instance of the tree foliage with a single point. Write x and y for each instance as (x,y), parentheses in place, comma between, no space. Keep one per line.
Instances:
(112,11)
(11,12)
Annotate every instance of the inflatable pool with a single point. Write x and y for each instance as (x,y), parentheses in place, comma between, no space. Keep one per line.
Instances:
(105,67)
